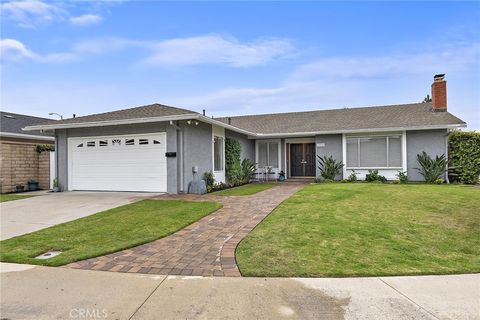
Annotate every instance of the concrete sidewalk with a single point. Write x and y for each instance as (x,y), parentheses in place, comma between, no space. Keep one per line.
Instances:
(29,292)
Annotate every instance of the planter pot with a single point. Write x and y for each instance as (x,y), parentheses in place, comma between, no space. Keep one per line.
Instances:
(56,189)
(33,186)
(20,188)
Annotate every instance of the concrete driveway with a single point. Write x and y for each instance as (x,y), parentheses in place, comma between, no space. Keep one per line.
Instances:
(27,215)
(29,292)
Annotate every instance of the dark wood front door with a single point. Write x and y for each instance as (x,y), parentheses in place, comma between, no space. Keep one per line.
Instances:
(302,160)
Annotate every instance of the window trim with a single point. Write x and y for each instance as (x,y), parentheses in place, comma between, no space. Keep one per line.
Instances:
(386,135)
(279,158)
(222,155)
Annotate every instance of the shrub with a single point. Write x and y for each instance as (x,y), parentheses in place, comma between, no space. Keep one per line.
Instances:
(464,155)
(329,167)
(344,181)
(248,168)
(352,177)
(373,176)
(209,180)
(431,169)
(402,176)
(45,148)
(233,168)
(439,181)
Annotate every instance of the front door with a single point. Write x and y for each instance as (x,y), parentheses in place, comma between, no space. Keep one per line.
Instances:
(302,159)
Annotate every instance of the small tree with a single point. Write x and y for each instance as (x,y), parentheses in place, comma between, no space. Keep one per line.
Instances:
(233,168)
(431,169)
(329,167)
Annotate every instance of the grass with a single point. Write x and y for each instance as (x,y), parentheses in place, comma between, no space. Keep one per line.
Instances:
(12,197)
(247,189)
(105,232)
(360,229)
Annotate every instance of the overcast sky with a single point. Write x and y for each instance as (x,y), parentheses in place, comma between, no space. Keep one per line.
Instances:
(236,58)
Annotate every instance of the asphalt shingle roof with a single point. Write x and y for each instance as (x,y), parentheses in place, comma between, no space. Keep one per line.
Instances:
(393,116)
(14,122)
(148,111)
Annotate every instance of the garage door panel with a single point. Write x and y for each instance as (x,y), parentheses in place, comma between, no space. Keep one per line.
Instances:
(119,167)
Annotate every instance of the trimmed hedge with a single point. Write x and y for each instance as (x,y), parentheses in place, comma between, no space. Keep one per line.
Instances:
(464,155)
(232,160)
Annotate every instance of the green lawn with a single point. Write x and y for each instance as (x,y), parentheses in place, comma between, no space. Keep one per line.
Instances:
(106,232)
(362,229)
(11,197)
(247,189)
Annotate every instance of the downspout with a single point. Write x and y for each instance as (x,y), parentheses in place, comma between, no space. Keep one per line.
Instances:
(446,155)
(181,160)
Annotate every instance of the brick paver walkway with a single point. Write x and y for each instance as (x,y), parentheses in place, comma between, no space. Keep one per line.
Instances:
(206,247)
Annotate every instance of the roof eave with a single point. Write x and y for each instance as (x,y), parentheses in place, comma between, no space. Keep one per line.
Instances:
(26,136)
(111,122)
(313,133)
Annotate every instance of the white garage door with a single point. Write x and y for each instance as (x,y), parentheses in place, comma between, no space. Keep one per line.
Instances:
(118,163)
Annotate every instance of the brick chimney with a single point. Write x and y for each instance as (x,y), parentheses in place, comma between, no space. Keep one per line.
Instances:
(439,93)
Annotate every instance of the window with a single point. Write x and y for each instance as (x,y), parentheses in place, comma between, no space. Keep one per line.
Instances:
(103,143)
(91,144)
(156,142)
(80,145)
(116,142)
(268,154)
(142,141)
(129,142)
(217,153)
(374,152)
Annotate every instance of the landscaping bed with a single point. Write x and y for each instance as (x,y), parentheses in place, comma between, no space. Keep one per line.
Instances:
(105,232)
(360,229)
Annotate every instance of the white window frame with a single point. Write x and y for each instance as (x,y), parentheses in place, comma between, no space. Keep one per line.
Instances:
(386,135)
(218,175)
(279,158)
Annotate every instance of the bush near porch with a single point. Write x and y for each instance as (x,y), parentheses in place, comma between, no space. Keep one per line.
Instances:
(464,156)
(362,229)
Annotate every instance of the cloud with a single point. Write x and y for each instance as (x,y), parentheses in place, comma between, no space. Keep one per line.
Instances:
(85,20)
(215,49)
(447,59)
(178,52)
(14,50)
(29,13)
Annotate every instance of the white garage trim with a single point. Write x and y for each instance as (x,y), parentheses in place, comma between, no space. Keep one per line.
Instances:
(133,162)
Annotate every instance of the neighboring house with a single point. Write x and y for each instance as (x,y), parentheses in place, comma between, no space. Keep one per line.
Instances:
(19,159)
(155,147)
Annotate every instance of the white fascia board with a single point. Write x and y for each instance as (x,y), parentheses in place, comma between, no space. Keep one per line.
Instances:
(313,133)
(226,126)
(111,122)
(25,136)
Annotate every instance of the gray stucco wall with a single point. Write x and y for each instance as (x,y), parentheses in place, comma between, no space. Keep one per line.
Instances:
(333,147)
(198,148)
(247,145)
(430,141)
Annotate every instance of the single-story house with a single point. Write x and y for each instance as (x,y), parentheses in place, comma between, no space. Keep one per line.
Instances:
(20,160)
(155,147)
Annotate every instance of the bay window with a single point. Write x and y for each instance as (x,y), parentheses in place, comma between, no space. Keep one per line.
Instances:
(374,151)
(268,154)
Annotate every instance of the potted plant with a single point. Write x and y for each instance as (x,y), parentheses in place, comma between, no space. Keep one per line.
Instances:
(55,185)
(32,185)
(19,188)
(281,176)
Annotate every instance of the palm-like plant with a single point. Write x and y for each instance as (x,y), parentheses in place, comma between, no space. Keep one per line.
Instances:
(431,169)
(329,167)
(248,168)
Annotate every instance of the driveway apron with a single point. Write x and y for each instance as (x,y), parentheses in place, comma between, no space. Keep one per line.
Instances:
(206,247)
